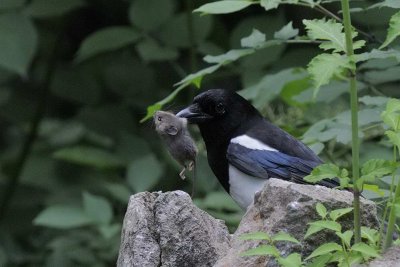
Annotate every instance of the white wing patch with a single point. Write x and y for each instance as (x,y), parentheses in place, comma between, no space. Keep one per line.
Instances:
(249,142)
(242,187)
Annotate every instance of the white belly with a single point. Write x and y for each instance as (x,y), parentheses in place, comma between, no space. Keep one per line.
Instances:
(242,187)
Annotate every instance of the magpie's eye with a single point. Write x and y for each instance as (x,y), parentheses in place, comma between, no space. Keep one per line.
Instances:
(219,108)
(159,119)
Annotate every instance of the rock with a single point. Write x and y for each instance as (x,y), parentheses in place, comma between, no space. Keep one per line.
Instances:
(390,259)
(288,207)
(166,229)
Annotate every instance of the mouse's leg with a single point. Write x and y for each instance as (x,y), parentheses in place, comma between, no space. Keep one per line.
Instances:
(182,174)
(191,165)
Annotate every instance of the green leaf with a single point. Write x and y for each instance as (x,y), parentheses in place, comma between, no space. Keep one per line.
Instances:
(374,100)
(336,214)
(255,236)
(394,138)
(312,229)
(376,168)
(393,31)
(150,50)
(346,236)
(378,54)
(18,42)
(150,14)
(331,225)
(331,31)
(89,156)
(11,4)
(293,260)
(320,261)
(229,56)
(324,67)
(391,115)
(62,217)
(262,250)
(387,3)
(270,4)
(282,236)
(371,234)
(106,40)
(366,250)
(52,8)
(194,76)
(321,210)
(324,249)
(255,39)
(144,173)
(223,7)
(287,32)
(323,171)
(97,208)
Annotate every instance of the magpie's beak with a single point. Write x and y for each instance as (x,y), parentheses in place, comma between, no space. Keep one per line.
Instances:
(193,114)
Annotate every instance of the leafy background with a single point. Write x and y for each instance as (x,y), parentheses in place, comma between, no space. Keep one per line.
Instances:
(76,78)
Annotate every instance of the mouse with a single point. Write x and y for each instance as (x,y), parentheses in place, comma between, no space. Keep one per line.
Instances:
(175,134)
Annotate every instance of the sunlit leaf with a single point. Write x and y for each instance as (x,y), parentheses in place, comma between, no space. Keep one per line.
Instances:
(270,4)
(326,66)
(223,7)
(324,249)
(312,229)
(336,214)
(282,236)
(105,40)
(255,236)
(394,137)
(262,250)
(328,30)
(323,171)
(371,234)
(320,261)
(393,31)
(321,210)
(293,260)
(229,56)
(391,115)
(331,225)
(376,168)
(366,250)
(346,236)
(255,39)
(287,32)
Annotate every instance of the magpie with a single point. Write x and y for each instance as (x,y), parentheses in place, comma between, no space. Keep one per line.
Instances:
(244,149)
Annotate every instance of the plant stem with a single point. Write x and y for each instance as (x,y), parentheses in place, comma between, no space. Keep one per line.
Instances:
(354,118)
(15,173)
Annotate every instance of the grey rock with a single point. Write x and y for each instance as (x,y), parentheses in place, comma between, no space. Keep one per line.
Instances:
(288,207)
(166,229)
(389,259)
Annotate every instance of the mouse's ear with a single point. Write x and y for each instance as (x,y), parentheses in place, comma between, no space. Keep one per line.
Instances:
(172,130)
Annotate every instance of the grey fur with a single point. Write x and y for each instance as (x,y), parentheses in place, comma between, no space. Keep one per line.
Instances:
(173,130)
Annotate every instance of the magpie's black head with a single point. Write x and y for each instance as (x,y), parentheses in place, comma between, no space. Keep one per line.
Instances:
(218,112)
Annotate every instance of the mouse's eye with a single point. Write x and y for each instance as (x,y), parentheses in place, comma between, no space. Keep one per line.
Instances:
(219,108)
(159,119)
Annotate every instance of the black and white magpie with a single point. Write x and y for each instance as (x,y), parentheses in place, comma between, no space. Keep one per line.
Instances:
(244,149)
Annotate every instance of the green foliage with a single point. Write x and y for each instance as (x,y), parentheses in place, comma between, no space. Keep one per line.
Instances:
(18,42)
(223,7)
(393,31)
(86,71)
